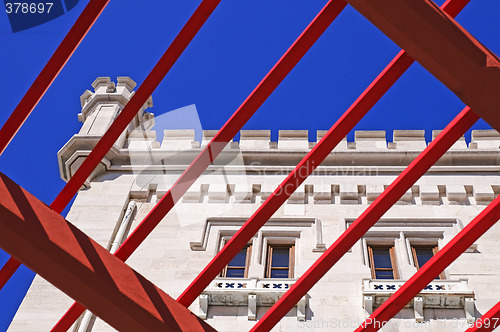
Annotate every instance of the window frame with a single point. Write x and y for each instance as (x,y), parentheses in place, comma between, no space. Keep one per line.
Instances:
(392,255)
(434,249)
(291,260)
(248,254)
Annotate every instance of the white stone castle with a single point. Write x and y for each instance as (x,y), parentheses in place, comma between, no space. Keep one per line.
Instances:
(138,170)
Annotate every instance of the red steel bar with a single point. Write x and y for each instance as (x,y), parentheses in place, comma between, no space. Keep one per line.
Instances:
(62,54)
(443,47)
(62,254)
(41,84)
(8,270)
(190,29)
(287,62)
(369,217)
(339,130)
(463,240)
(488,322)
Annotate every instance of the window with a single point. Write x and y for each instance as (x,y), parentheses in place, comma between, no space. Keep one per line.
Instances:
(280,261)
(382,262)
(421,254)
(238,267)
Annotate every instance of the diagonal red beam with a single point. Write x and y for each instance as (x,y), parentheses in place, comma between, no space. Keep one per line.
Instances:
(488,322)
(463,240)
(369,217)
(235,123)
(443,47)
(8,270)
(48,74)
(62,54)
(62,254)
(190,29)
(258,96)
(339,130)
(154,78)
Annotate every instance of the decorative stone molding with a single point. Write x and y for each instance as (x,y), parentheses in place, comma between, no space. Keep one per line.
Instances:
(291,224)
(439,294)
(248,292)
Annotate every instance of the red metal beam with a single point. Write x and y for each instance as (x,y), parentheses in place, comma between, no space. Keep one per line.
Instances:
(369,217)
(8,270)
(154,78)
(190,29)
(488,322)
(48,74)
(62,54)
(280,70)
(339,130)
(443,47)
(62,254)
(463,240)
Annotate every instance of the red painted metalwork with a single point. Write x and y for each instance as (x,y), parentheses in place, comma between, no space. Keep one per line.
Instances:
(41,84)
(190,29)
(62,54)
(338,131)
(52,247)
(280,70)
(369,217)
(488,322)
(429,35)
(443,47)
(463,240)
(8,270)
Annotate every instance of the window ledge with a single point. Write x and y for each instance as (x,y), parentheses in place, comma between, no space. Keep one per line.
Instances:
(251,292)
(439,294)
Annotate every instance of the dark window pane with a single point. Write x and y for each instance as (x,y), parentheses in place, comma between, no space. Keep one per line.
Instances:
(423,255)
(279,273)
(239,259)
(384,275)
(382,258)
(280,257)
(235,273)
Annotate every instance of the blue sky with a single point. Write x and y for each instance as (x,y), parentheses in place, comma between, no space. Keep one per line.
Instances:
(227,59)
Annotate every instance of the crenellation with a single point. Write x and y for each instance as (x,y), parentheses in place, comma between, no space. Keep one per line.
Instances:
(101,84)
(255,139)
(178,139)
(460,144)
(485,139)
(370,140)
(409,140)
(84,99)
(293,139)
(125,86)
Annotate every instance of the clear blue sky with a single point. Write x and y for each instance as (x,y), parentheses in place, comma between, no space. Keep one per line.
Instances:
(231,54)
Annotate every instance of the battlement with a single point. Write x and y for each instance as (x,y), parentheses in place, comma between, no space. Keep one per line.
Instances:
(297,140)
(178,148)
